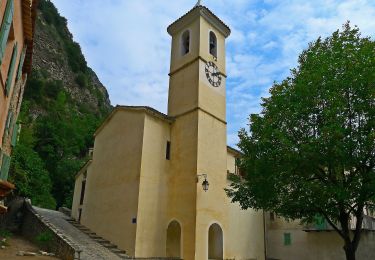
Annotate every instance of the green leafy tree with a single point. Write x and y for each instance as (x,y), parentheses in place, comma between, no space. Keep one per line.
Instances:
(311,150)
(31,177)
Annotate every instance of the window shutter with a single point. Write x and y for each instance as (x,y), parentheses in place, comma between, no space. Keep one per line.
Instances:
(5,167)
(5,27)
(287,239)
(1,155)
(8,83)
(16,129)
(9,121)
(20,65)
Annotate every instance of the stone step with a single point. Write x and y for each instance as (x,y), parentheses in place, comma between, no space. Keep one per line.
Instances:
(95,236)
(124,256)
(118,251)
(108,245)
(101,240)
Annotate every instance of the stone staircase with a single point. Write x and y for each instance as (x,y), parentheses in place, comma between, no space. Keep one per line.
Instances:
(107,244)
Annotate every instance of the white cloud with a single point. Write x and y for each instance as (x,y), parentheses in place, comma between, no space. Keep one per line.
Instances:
(126,43)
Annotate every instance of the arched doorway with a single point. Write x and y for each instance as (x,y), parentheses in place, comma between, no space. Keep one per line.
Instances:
(215,242)
(174,239)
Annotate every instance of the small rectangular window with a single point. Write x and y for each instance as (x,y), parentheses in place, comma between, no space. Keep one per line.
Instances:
(168,151)
(83,187)
(287,239)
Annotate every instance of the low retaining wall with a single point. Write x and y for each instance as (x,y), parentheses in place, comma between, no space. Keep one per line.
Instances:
(35,226)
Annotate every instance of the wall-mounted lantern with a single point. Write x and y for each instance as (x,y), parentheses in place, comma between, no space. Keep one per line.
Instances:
(205,183)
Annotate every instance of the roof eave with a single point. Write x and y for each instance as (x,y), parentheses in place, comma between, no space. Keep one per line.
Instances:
(234,151)
(193,14)
(148,110)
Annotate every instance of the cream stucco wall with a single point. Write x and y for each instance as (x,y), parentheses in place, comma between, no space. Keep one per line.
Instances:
(112,189)
(246,227)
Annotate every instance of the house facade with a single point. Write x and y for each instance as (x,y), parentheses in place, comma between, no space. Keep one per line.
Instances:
(155,183)
(291,240)
(16,44)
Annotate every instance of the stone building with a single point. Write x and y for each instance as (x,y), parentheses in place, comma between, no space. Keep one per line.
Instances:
(16,44)
(155,184)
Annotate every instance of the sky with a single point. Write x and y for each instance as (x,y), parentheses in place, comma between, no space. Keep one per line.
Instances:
(126,43)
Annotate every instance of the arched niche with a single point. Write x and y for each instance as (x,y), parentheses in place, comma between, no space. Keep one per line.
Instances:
(215,242)
(174,240)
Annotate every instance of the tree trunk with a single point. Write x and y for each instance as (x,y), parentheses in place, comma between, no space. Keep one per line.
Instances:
(349,252)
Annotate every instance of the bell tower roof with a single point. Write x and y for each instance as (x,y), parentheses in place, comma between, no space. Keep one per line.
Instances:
(199,10)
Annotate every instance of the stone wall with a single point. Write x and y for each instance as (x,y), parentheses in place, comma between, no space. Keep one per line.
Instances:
(35,225)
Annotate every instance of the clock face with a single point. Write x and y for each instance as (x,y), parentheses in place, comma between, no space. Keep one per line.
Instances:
(213,74)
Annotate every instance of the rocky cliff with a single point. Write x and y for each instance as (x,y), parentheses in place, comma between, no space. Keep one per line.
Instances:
(64,102)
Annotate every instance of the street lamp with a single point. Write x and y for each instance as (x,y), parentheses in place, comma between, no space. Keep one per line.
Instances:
(205,183)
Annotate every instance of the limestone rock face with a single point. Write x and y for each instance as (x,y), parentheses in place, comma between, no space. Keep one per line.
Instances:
(50,56)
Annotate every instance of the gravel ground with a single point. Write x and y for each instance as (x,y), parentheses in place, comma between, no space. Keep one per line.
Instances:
(17,244)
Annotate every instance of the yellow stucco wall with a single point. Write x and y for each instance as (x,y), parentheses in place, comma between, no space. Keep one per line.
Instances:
(182,180)
(112,189)
(183,90)
(153,189)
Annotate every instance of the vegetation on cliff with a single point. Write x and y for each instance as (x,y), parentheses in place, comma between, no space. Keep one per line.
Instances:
(64,103)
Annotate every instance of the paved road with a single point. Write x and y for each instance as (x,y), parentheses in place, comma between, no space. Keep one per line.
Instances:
(91,250)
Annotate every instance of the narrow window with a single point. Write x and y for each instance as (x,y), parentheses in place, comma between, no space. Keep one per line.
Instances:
(83,187)
(185,43)
(213,44)
(168,151)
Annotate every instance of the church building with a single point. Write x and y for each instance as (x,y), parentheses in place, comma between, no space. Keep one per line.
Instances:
(155,183)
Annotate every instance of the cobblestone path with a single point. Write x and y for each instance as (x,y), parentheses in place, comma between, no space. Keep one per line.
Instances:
(91,250)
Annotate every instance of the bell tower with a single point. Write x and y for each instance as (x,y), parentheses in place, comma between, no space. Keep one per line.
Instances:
(197,70)
(198,133)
